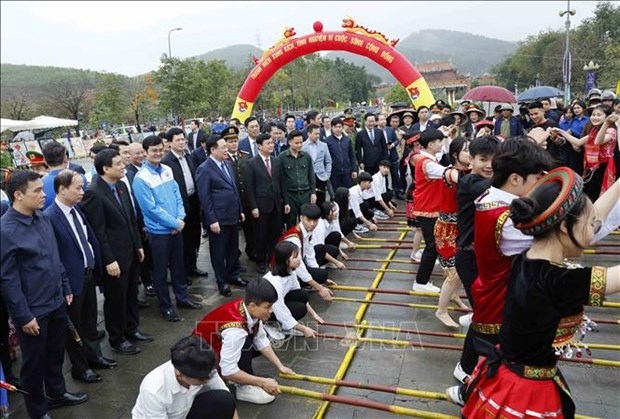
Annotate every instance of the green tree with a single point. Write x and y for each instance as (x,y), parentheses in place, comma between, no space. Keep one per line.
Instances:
(397,94)
(68,98)
(110,99)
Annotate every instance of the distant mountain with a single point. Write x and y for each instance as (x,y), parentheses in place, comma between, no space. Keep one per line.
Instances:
(471,54)
(32,79)
(235,56)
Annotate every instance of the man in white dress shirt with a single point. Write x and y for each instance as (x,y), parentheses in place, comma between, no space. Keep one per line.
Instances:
(187,386)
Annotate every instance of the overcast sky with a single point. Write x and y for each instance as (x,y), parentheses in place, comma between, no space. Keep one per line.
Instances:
(129,37)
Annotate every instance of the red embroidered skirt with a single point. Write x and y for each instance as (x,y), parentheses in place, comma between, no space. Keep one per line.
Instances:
(445,241)
(507,395)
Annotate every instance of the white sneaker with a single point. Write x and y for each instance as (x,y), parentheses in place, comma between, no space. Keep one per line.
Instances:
(253,394)
(331,265)
(380,215)
(293,332)
(454,395)
(417,256)
(360,229)
(428,287)
(459,374)
(343,246)
(273,331)
(465,320)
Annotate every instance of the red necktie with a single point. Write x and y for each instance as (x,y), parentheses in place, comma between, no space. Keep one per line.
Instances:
(268,165)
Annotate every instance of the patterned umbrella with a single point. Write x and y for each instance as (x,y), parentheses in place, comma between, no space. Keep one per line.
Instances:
(490,94)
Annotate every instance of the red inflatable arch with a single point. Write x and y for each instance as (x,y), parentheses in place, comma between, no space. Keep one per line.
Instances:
(353,38)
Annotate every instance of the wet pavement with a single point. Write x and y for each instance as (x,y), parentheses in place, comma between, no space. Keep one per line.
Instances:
(594,388)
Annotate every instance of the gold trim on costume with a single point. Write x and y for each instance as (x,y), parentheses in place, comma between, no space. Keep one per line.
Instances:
(539,373)
(501,220)
(598,281)
(487,328)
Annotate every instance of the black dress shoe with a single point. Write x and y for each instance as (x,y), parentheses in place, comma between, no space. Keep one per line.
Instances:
(67,399)
(125,348)
(225,291)
(149,290)
(139,336)
(240,282)
(103,363)
(88,376)
(189,304)
(197,272)
(170,316)
(143,304)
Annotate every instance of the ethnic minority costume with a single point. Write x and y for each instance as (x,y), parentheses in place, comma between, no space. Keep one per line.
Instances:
(543,312)
(229,315)
(542,315)
(599,165)
(411,161)
(445,227)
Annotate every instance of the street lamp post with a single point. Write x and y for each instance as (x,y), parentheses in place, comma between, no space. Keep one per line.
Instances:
(566,65)
(169,49)
(590,70)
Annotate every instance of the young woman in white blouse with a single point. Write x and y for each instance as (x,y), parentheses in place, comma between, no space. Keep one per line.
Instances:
(292,303)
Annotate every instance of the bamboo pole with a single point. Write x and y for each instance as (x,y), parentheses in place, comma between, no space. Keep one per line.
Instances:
(374,387)
(396,304)
(392,271)
(600,346)
(359,315)
(354,401)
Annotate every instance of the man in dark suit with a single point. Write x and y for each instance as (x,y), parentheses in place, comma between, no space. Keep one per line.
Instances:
(249,144)
(263,185)
(370,145)
(222,210)
(136,158)
(200,154)
(195,135)
(183,170)
(108,208)
(392,143)
(80,256)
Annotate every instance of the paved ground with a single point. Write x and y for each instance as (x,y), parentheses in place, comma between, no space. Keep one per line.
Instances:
(595,389)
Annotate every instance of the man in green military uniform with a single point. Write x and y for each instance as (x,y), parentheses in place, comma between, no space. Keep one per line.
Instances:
(6,160)
(299,184)
(239,158)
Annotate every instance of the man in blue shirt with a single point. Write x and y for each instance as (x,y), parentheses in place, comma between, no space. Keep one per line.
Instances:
(162,207)
(55,155)
(35,289)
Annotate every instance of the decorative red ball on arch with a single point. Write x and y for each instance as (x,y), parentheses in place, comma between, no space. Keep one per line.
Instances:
(317,26)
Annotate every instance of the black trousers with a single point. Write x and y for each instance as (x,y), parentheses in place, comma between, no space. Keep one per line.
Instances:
(469,357)
(347,225)
(77,311)
(318,274)
(394,172)
(42,358)
(385,197)
(248,353)
(213,404)
(468,271)
(146,267)
(249,233)
(331,247)
(268,229)
(296,301)
(5,357)
(344,180)
(224,251)
(321,190)
(366,210)
(192,232)
(120,307)
(429,255)
(167,250)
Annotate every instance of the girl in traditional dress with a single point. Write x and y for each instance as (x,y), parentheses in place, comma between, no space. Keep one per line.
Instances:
(445,229)
(543,310)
